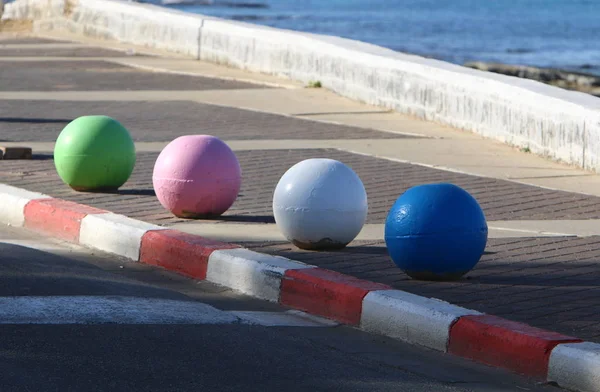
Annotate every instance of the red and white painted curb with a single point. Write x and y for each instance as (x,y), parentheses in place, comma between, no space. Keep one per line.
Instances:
(373,307)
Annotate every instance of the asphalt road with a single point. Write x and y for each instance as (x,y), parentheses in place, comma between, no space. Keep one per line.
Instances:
(71,320)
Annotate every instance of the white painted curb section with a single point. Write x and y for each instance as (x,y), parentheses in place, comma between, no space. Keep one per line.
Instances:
(114,233)
(12,204)
(576,366)
(411,318)
(249,272)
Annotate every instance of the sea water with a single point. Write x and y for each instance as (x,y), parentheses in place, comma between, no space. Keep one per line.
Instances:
(548,33)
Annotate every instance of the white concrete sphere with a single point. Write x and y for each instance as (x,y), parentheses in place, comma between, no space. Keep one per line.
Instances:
(320,204)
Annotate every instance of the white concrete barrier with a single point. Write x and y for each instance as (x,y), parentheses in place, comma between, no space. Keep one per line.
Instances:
(140,24)
(552,122)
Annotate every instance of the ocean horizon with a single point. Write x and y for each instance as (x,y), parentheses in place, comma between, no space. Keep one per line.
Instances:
(562,34)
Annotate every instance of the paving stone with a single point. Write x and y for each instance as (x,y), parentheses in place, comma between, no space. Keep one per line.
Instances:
(59,52)
(29,40)
(164,121)
(15,152)
(99,76)
(262,170)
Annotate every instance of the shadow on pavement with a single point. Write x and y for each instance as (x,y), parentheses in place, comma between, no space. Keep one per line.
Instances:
(247,218)
(35,120)
(26,271)
(140,192)
(42,157)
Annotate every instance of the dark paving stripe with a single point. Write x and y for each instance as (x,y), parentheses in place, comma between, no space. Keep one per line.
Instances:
(59,52)
(164,121)
(262,169)
(31,40)
(99,76)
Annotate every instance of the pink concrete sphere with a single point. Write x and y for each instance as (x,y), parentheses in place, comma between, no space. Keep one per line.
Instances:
(197,176)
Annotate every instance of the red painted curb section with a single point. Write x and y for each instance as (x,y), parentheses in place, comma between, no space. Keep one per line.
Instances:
(60,218)
(180,252)
(504,343)
(326,293)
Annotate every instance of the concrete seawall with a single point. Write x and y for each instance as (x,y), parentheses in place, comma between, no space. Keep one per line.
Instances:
(559,124)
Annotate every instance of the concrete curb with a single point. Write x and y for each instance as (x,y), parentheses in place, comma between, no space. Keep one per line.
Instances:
(373,307)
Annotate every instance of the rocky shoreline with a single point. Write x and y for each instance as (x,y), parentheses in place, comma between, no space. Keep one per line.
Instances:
(576,81)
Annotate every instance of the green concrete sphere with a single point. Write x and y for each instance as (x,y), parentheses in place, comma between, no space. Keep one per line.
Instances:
(94,153)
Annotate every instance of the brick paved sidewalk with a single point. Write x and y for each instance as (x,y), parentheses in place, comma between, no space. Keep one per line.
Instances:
(551,283)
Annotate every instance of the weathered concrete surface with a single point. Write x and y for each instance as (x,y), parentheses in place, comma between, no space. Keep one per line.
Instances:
(549,121)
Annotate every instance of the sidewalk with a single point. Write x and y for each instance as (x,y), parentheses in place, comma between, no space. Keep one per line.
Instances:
(541,263)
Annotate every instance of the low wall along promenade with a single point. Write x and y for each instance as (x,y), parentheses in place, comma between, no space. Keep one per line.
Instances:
(559,124)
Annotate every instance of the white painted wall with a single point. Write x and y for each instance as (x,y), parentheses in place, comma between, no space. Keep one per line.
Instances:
(556,123)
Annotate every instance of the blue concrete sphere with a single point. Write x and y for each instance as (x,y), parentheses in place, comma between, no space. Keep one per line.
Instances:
(436,232)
